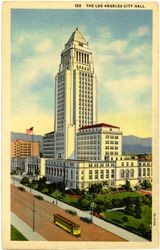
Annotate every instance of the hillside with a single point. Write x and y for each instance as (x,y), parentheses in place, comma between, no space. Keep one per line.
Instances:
(135,145)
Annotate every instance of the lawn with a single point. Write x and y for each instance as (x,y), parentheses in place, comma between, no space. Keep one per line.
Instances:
(16,235)
(119,195)
(133,224)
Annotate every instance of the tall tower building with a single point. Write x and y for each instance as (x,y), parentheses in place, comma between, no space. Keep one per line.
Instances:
(75,95)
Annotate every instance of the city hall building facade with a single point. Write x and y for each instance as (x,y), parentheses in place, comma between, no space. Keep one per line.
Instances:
(85,151)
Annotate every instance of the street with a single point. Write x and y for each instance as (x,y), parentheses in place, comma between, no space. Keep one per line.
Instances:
(115,230)
(22,206)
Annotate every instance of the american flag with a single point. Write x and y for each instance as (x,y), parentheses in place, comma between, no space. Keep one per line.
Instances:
(29,130)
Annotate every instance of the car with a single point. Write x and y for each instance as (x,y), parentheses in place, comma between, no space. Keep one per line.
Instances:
(86,219)
(39,197)
(21,189)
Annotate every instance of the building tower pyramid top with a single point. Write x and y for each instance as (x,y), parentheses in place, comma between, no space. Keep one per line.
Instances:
(76,36)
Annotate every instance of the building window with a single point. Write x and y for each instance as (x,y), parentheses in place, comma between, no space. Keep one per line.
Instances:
(96,174)
(139,172)
(101,174)
(144,172)
(127,173)
(122,174)
(148,172)
(71,174)
(90,174)
(132,173)
(107,173)
(112,173)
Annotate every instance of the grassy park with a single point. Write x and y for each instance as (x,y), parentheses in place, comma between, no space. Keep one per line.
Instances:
(126,208)
(16,235)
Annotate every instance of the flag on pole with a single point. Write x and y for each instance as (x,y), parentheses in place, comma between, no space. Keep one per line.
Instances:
(29,130)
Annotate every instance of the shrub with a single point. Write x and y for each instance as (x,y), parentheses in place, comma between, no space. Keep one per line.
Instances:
(100,208)
(138,211)
(125,219)
(116,220)
(25,181)
(143,230)
(116,202)
(108,204)
(84,203)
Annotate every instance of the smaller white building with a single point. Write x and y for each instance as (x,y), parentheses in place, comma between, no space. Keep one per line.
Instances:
(113,172)
(144,171)
(29,165)
(96,142)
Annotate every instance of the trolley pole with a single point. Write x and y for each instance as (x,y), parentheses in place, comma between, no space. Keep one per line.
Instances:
(33,215)
(92,206)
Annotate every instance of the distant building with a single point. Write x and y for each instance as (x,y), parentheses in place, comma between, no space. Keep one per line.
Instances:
(22,148)
(28,165)
(48,145)
(22,136)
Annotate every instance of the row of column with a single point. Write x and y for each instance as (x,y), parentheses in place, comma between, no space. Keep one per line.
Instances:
(82,57)
(55,171)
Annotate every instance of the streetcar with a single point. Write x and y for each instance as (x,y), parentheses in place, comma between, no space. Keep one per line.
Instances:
(67,225)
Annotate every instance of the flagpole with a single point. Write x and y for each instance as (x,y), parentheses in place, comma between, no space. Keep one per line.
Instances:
(33,146)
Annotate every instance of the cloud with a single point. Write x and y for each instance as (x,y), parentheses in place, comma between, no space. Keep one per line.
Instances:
(44,46)
(117,46)
(140,32)
(128,94)
(122,66)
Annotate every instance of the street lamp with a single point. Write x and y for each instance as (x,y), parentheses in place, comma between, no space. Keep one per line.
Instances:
(33,220)
(92,206)
(56,196)
(56,193)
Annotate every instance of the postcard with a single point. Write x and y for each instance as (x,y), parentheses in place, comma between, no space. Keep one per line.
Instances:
(80,125)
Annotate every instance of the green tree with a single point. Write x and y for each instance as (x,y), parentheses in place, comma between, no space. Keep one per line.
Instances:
(128,203)
(127,186)
(25,181)
(138,211)
(108,204)
(146,185)
(95,188)
(116,203)
(84,203)
(145,231)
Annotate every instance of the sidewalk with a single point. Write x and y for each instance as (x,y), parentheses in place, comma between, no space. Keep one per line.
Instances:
(25,229)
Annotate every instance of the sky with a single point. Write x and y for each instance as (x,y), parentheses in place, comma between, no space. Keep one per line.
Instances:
(121,43)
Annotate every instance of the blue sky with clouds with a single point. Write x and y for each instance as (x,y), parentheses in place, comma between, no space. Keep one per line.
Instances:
(121,42)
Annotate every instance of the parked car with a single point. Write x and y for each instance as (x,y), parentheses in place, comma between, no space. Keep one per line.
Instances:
(71,212)
(39,197)
(21,189)
(86,219)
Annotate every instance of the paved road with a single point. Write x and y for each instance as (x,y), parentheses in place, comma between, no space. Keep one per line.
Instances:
(22,204)
(25,229)
(106,225)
